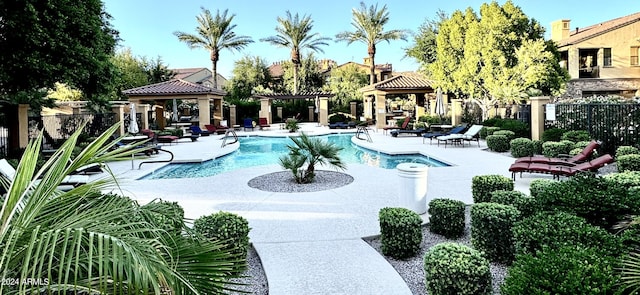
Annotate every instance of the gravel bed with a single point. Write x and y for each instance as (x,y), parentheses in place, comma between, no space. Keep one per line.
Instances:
(283,182)
(254,280)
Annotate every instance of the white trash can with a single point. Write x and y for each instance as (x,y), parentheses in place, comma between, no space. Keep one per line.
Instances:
(413,186)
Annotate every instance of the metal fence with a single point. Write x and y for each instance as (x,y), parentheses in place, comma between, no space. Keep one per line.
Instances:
(59,127)
(613,124)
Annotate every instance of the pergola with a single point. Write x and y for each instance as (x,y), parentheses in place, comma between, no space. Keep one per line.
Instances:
(322,99)
(184,90)
(375,94)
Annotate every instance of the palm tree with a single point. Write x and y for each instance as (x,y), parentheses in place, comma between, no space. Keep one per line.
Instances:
(295,33)
(214,34)
(369,29)
(312,151)
(84,241)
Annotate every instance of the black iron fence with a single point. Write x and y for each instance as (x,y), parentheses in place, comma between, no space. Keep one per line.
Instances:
(59,127)
(613,124)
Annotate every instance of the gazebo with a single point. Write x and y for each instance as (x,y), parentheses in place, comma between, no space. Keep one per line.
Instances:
(184,90)
(321,98)
(375,94)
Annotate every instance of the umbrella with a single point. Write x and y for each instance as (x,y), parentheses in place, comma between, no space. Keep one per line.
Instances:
(174,116)
(439,104)
(133,123)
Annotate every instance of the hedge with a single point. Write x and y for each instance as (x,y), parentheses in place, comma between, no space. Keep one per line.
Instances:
(483,185)
(452,268)
(522,147)
(491,230)
(446,217)
(400,232)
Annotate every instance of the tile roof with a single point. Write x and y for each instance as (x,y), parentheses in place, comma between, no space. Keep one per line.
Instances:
(301,95)
(401,82)
(172,87)
(589,32)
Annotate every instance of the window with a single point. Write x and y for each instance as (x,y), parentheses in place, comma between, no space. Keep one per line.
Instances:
(633,57)
(607,57)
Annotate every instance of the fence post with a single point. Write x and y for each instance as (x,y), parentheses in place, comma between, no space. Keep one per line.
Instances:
(456,111)
(323,114)
(537,115)
(118,110)
(23,125)
(232,115)
(145,116)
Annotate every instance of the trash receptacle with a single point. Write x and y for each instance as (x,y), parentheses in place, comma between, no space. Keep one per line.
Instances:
(413,186)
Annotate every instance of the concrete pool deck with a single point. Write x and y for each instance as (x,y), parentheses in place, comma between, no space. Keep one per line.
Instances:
(310,243)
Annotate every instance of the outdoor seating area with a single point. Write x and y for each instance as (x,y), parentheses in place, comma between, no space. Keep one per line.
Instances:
(560,170)
(472,134)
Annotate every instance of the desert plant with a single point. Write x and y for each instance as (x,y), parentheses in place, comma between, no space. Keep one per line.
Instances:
(483,185)
(229,228)
(492,230)
(292,125)
(400,232)
(626,150)
(451,268)
(553,134)
(576,136)
(310,151)
(446,217)
(498,143)
(517,199)
(522,147)
(628,162)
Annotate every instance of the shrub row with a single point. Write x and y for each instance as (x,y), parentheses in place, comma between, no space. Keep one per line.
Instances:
(483,185)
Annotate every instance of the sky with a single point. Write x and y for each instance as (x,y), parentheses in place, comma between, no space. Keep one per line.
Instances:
(147,26)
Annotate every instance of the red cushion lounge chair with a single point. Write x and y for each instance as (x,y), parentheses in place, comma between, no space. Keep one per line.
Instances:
(404,125)
(584,155)
(560,170)
(262,122)
(217,130)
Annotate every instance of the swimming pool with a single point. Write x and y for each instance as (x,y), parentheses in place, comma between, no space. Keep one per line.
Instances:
(257,151)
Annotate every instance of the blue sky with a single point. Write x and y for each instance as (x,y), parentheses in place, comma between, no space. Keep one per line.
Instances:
(147,26)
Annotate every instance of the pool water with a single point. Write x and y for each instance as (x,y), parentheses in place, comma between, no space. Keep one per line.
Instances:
(258,151)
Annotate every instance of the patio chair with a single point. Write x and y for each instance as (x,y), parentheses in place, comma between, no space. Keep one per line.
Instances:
(74,180)
(263,123)
(559,170)
(417,132)
(248,123)
(216,129)
(470,135)
(404,125)
(431,135)
(196,130)
(584,155)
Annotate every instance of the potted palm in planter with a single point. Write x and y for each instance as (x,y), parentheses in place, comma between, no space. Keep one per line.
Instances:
(292,125)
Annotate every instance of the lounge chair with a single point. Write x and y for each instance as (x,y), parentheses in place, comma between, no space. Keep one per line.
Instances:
(248,124)
(263,123)
(431,135)
(470,135)
(417,132)
(404,125)
(196,130)
(560,170)
(70,180)
(584,155)
(216,129)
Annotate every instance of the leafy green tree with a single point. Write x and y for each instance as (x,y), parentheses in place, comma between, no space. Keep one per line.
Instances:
(345,84)
(294,33)
(310,151)
(424,49)
(369,23)
(63,92)
(309,77)
(248,73)
(214,34)
(157,71)
(130,73)
(85,242)
(494,57)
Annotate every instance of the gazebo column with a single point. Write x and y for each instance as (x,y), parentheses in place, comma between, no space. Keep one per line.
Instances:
(145,115)
(217,113)
(456,111)
(160,119)
(368,112)
(323,115)
(205,114)
(265,109)
(118,110)
(380,109)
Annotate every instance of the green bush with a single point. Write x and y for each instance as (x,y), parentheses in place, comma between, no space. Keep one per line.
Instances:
(520,129)
(517,199)
(491,230)
(537,186)
(581,145)
(628,163)
(537,146)
(486,131)
(568,146)
(553,134)
(335,118)
(566,271)
(626,150)
(552,149)
(483,185)
(498,143)
(627,179)
(225,226)
(575,151)
(508,133)
(576,135)
(451,268)
(522,147)
(173,132)
(168,216)
(600,201)
(446,217)
(557,229)
(400,232)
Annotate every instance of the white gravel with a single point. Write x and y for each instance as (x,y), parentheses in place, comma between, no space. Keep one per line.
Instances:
(283,182)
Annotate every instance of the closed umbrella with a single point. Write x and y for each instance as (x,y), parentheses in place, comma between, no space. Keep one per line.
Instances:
(174,115)
(133,123)
(439,104)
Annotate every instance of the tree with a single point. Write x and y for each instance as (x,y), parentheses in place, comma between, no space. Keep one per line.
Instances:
(493,58)
(130,73)
(345,83)
(369,23)
(424,49)
(214,34)
(309,77)
(157,71)
(310,151)
(248,73)
(294,33)
(63,92)
(44,42)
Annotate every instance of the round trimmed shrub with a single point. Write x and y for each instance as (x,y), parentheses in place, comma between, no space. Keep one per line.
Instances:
(486,131)
(626,179)
(225,226)
(576,135)
(491,230)
(451,268)
(508,133)
(568,146)
(628,163)
(522,147)
(537,186)
(556,229)
(626,150)
(517,199)
(566,271)
(483,185)
(537,146)
(553,134)
(446,217)
(168,216)
(400,232)
(552,149)
(498,143)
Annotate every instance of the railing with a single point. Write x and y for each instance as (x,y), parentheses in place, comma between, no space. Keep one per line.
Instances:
(589,72)
(365,131)
(226,135)
(158,161)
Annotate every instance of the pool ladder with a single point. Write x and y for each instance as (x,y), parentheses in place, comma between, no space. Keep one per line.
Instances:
(363,130)
(226,135)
